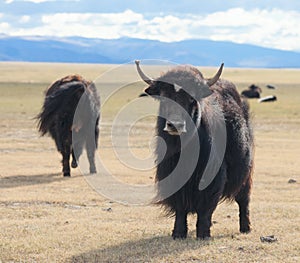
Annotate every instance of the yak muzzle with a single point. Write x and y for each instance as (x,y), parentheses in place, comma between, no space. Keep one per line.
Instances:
(175,127)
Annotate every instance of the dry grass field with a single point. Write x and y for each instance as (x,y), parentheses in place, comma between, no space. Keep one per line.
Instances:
(47,218)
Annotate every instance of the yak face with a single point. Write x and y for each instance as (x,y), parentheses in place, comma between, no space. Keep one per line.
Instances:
(179,92)
(175,105)
(179,104)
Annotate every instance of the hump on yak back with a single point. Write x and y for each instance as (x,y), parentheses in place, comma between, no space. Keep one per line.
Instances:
(67,79)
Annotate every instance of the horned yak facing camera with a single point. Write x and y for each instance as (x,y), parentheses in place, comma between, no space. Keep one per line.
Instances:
(191,108)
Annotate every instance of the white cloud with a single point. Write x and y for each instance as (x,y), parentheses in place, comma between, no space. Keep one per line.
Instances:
(270,28)
(24,19)
(4,27)
(38,1)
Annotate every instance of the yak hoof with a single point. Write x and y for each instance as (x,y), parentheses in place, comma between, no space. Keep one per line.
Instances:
(67,174)
(245,225)
(93,171)
(204,238)
(245,229)
(74,164)
(177,235)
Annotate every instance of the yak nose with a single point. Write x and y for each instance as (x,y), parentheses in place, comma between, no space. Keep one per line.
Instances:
(175,127)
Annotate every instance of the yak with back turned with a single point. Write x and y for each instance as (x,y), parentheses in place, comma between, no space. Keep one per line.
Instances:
(204,102)
(57,119)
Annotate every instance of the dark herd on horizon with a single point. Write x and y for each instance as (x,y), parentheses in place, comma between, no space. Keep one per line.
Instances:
(254,91)
(205,100)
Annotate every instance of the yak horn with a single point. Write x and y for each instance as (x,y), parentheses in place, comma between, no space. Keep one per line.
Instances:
(141,73)
(215,78)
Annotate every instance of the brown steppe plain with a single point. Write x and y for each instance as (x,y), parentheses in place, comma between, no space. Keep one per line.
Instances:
(45,217)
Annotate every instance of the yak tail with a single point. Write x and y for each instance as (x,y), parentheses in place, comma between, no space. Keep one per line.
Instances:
(245,108)
(248,118)
(56,102)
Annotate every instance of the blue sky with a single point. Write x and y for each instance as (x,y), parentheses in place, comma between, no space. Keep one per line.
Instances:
(265,23)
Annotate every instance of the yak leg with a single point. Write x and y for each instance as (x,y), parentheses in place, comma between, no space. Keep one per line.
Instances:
(204,223)
(92,145)
(209,200)
(78,147)
(63,147)
(74,162)
(96,132)
(91,149)
(204,215)
(243,198)
(66,159)
(56,136)
(180,225)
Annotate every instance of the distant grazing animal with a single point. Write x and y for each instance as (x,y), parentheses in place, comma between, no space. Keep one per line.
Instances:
(253,91)
(268,99)
(270,86)
(205,102)
(56,118)
(254,87)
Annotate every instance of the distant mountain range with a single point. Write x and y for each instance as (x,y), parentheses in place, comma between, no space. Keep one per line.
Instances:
(196,52)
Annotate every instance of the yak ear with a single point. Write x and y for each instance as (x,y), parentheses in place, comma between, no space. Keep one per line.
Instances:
(152,90)
(204,91)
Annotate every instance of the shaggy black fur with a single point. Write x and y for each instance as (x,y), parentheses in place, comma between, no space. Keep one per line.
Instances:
(56,118)
(233,180)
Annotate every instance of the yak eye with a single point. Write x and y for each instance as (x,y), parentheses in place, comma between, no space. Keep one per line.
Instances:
(191,99)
